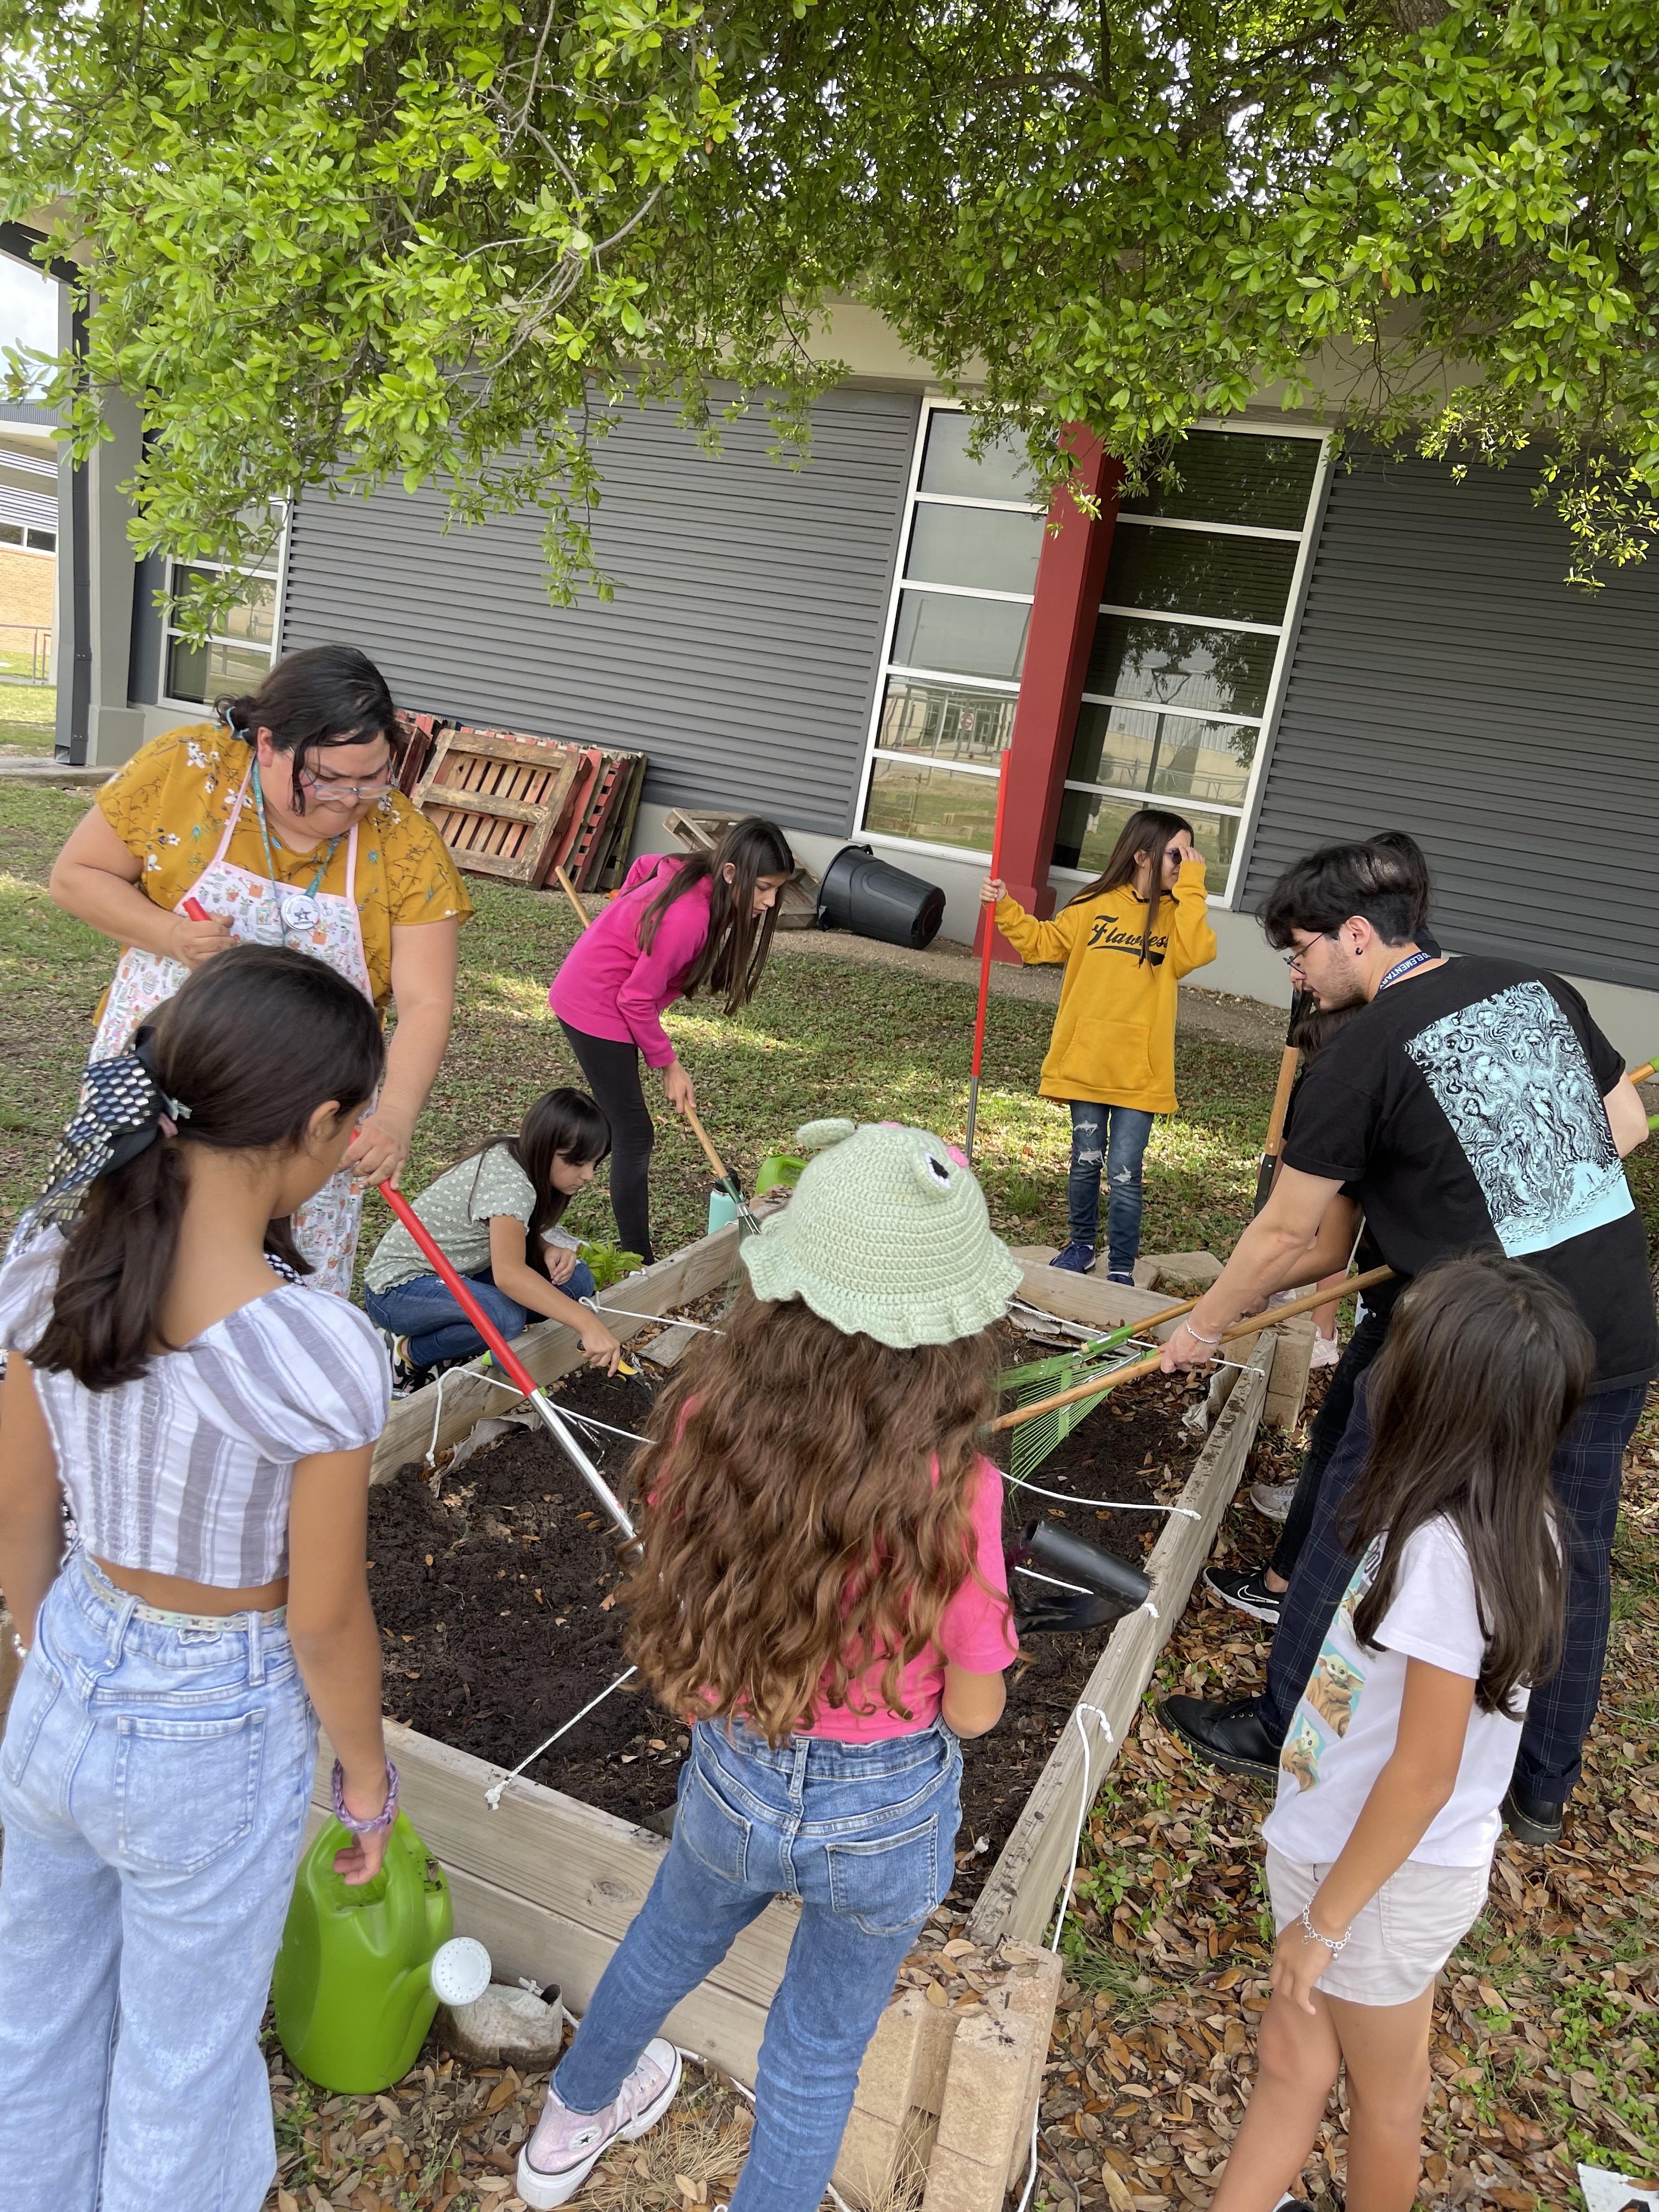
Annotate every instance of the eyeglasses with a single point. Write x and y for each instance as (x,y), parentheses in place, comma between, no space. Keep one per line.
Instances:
(334,787)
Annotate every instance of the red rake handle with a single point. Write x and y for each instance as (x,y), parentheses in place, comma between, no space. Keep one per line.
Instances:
(989,924)
(506,1359)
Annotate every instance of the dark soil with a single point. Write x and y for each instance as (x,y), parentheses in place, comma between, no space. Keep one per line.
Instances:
(493,1599)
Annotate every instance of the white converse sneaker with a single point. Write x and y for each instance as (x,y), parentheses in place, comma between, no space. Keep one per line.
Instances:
(567,2145)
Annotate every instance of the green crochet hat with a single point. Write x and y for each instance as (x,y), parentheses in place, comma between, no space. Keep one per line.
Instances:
(886,1236)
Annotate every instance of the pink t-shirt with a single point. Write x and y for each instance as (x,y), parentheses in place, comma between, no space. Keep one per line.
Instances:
(607,987)
(976,1631)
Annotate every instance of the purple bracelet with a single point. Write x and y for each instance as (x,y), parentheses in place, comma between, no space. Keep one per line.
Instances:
(383,1819)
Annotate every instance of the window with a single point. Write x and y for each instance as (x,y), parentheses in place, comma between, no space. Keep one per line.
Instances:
(957,635)
(29,538)
(237,656)
(1189,645)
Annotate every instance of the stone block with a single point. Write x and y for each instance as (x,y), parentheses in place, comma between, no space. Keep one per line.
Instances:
(1287,1381)
(1183,1274)
(1031,1991)
(506,2027)
(906,2064)
(869,2158)
(957,2184)
(985,2090)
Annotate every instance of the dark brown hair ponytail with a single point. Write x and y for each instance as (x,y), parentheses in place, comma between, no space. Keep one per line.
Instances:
(254,1042)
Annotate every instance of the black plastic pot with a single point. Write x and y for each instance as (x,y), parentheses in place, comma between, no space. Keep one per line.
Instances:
(865,895)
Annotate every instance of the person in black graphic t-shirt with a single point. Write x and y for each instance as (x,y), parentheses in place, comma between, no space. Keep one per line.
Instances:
(1473,1105)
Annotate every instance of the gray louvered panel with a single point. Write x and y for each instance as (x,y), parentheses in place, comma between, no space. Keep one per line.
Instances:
(1447,681)
(740,652)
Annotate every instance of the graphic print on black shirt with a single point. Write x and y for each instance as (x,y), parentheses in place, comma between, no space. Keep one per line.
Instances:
(1516,1086)
(1464,1108)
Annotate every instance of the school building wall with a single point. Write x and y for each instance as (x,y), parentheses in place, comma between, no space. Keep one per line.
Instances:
(1443,679)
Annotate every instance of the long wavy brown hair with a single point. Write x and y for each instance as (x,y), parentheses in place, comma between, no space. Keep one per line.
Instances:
(794,1536)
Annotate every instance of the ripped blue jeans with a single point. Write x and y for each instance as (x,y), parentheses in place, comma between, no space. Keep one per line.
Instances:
(1115,1137)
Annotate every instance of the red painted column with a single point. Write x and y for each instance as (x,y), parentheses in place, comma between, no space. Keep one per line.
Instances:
(1070,574)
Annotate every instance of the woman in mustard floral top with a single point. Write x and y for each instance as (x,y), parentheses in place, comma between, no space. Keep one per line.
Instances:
(283,819)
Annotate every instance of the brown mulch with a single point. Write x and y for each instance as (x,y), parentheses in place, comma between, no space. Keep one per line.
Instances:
(1546,2033)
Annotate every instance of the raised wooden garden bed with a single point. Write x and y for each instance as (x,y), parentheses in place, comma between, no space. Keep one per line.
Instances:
(550,1881)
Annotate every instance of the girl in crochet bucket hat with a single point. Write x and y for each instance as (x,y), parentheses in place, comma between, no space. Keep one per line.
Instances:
(821,1595)
(886,1236)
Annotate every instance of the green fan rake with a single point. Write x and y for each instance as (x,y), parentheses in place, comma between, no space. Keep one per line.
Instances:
(1077,1398)
(1041,1379)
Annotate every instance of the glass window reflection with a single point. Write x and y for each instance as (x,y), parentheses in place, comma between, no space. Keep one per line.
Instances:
(1227,671)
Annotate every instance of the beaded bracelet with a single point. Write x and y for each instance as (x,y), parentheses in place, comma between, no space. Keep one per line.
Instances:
(1197,1337)
(382,1819)
(1334,1944)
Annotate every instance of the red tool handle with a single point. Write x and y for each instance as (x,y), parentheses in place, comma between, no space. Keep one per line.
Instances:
(990,921)
(987,922)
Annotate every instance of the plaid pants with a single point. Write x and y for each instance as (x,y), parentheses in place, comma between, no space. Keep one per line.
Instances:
(1587,1469)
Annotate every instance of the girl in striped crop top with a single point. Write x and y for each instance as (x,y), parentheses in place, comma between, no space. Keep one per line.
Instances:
(208,1421)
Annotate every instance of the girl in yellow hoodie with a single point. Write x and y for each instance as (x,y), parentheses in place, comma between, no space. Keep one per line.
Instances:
(1125,939)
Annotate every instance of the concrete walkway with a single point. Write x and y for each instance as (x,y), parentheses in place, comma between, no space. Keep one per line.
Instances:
(24,769)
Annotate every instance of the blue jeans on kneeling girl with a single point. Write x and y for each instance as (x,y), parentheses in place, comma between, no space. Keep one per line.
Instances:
(862,1833)
(155,1781)
(1115,1138)
(426,1311)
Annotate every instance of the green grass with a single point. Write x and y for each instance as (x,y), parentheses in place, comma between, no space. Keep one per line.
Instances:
(27,715)
(822,1037)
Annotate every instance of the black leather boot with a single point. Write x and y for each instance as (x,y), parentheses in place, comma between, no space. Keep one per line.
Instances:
(1228,1732)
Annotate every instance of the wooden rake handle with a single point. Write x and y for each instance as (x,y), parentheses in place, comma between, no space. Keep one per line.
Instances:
(1252,1325)
(569,890)
(707,1144)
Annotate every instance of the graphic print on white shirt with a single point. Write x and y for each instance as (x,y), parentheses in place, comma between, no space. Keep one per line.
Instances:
(1518,1088)
(1331,1697)
(1348,1720)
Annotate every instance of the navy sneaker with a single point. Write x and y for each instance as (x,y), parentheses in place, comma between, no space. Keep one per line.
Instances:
(1118,1276)
(1077,1258)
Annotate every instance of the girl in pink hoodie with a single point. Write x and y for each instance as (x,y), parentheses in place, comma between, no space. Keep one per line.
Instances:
(679,922)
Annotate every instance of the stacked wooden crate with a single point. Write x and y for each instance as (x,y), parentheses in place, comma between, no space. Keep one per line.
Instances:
(511,804)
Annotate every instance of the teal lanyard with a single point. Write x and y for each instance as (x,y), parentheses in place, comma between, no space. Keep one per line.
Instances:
(310,892)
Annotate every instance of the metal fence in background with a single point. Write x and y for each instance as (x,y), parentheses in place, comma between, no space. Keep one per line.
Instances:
(25,653)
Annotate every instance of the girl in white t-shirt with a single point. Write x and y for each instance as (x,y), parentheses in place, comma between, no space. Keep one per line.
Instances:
(1380,1843)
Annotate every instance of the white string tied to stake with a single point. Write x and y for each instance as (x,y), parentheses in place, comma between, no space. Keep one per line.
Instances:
(493,1794)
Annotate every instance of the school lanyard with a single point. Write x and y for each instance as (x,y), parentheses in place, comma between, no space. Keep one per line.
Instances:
(1399,968)
(297,909)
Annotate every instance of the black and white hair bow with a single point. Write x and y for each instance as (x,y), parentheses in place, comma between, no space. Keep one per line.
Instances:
(123,1110)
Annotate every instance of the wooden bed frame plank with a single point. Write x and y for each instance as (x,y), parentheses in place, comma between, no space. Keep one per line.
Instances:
(1017,1901)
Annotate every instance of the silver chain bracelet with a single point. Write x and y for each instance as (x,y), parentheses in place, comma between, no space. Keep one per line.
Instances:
(1334,1944)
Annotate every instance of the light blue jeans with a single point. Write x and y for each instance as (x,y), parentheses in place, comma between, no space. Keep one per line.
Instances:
(1115,1137)
(426,1311)
(863,1835)
(154,1783)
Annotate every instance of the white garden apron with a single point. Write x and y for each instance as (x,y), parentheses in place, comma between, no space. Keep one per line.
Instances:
(326,1226)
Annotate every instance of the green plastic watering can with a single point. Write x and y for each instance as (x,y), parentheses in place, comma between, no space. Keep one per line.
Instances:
(778,1168)
(355,1984)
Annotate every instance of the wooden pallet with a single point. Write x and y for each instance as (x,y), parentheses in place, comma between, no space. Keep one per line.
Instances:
(497,800)
(797,903)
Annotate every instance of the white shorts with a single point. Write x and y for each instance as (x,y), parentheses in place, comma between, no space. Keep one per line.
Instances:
(1402,1938)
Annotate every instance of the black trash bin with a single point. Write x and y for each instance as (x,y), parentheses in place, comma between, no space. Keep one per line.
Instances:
(863,894)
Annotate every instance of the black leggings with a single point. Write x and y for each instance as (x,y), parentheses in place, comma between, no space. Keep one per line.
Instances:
(1329,1424)
(612,1070)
